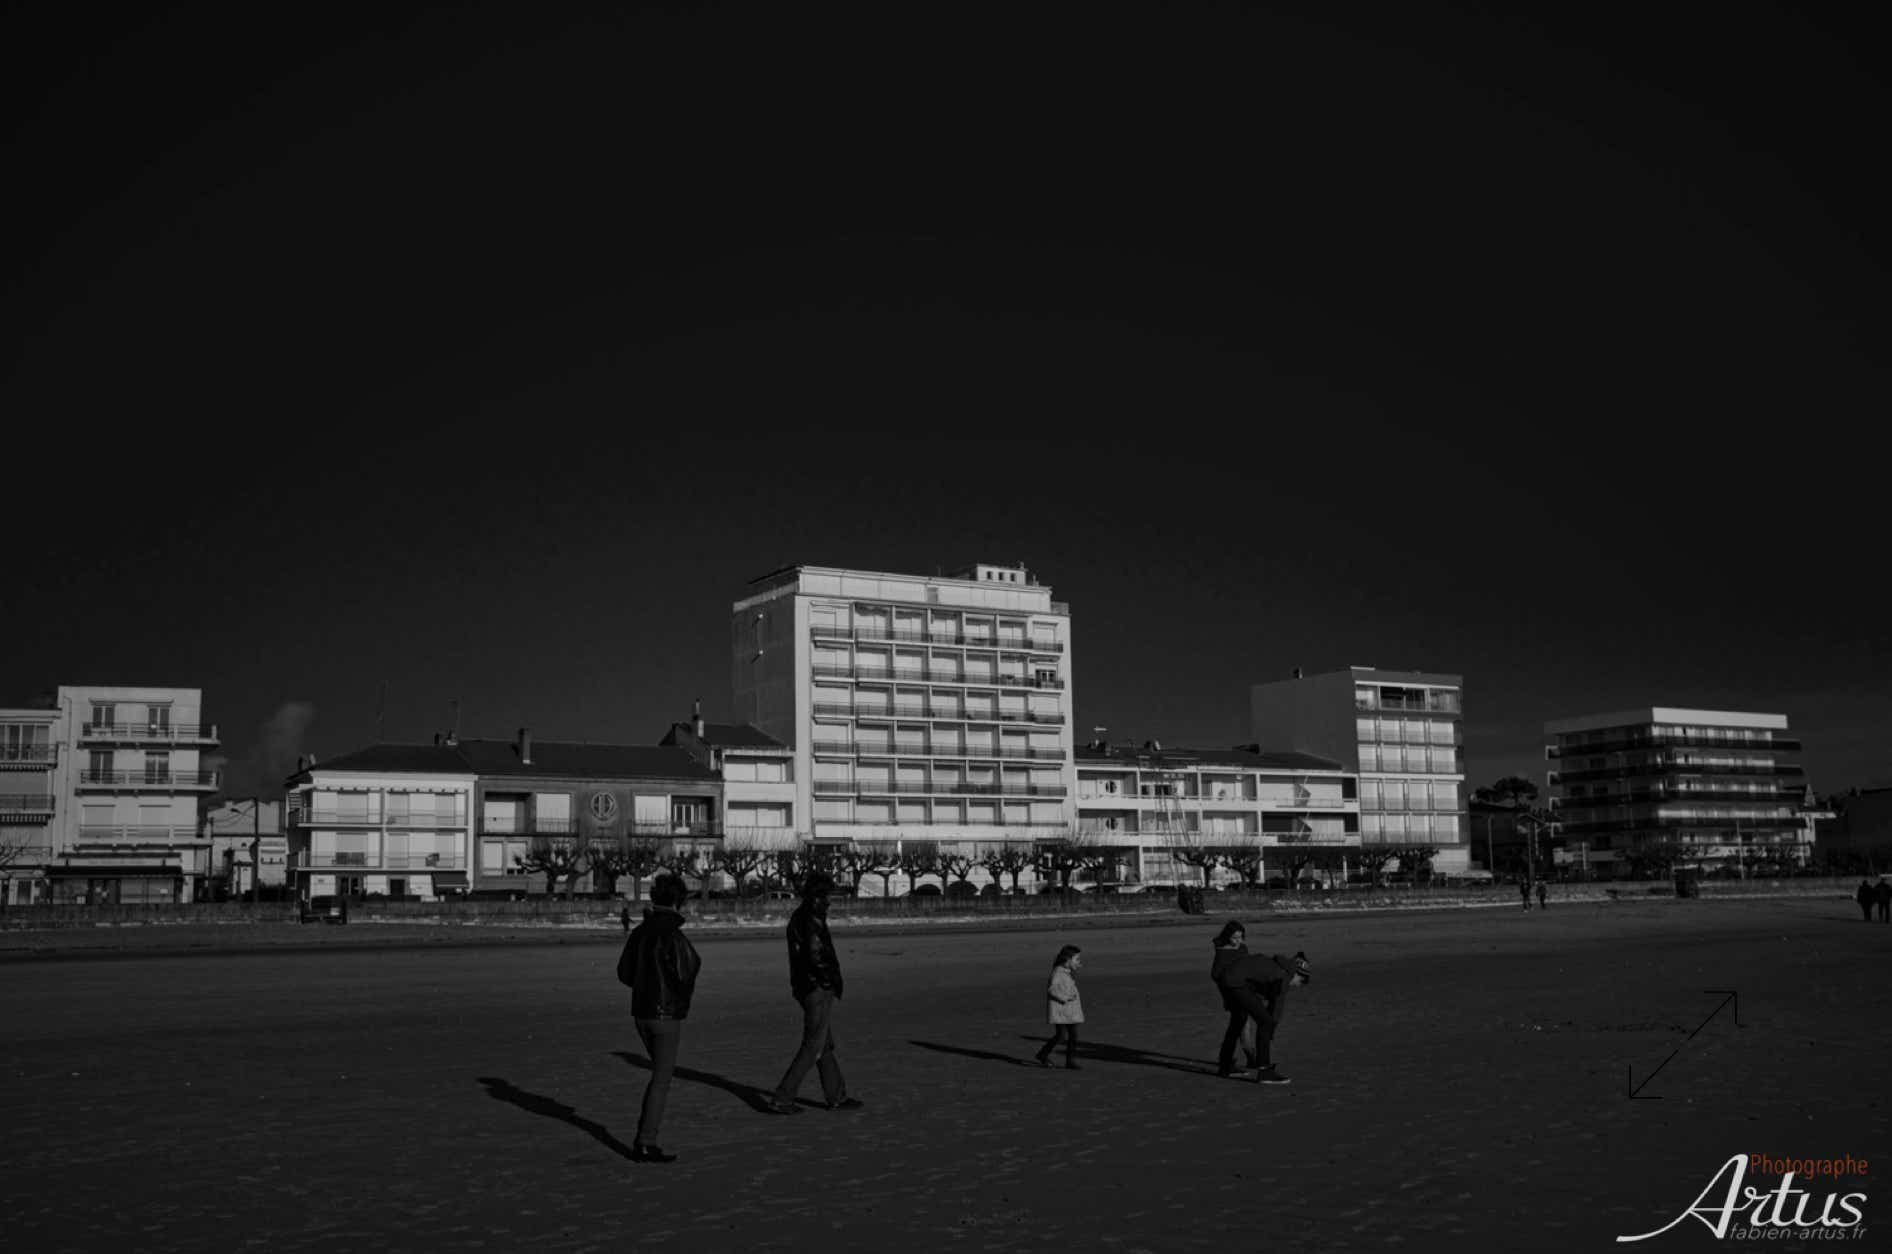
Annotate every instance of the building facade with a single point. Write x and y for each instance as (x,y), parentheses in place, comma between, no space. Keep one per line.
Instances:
(1150,807)
(1708,786)
(917,708)
(102,790)
(576,795)
(1399,731)
(389,820)
(758,774)
(29,802)
(247,847)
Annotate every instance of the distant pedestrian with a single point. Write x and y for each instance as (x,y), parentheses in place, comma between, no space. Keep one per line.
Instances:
(624,916)
(1543,894)
(1231,946)
(660,966)
(1260,984)
(1064,1008)
(1882,896)
(1524,893)
(814,975)
(1865,896)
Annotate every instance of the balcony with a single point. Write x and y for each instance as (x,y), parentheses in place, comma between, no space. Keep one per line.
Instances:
(33,808)
(528,827)
(1627,744)
(192,734)
(28,757)
(1008,644)
(847,749)
(863,788)
(134,834)
(148,781)
(1669,770)
(1434,705)
(1051,718)
(933,675)
(1683,796)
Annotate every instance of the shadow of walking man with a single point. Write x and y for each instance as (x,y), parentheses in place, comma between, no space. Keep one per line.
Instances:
(757,1099)
(984,1055)
(507,1092)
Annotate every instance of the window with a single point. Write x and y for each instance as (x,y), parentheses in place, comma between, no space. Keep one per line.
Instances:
(157,768)
(100,769)
(103,715)
(158,720)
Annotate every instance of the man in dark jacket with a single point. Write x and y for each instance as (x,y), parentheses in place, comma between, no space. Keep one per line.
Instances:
(1259,984)
(814,975)
(660,965)
(1231,947)
(1865,897)
(1882,897)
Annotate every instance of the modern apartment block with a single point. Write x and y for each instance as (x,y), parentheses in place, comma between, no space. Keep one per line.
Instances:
(1716,785)
(1142,806)
(1399,731)
(101,791)
(919,708)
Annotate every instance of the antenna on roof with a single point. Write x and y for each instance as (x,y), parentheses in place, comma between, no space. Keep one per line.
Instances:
(381,710)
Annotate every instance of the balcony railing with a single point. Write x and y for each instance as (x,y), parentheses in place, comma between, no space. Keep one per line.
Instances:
(28,756)
(917,712)
(848,749)
(1670,770)
(1749,829)
(147,779)
(25,807)
(1434,705)
(149,733)
(864,788)
(957,639)
(1681,796)
(633,831)
(134,834)
(1627,744)
(528,827)
(933,675)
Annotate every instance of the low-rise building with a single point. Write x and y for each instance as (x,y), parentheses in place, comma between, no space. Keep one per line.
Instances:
(29,802)
(758,774)
(247,847)
(389,820)
(1148,810)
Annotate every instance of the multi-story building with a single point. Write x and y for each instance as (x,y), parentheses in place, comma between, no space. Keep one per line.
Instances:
(929,709)
(392,820)
(1712,786)
(575,794)
(1399,731)
(758,774)
(1142,807)
(124,784)
(29,801)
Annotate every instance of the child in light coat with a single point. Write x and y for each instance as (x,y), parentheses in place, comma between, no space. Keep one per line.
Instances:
(1064,1009)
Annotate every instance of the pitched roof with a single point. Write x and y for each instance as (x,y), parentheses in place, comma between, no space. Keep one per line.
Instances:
(417,759)
(727,736)
(589,761)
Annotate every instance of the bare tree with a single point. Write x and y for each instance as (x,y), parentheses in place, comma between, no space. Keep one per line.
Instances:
(855,863)
(613,860)
(1245,862)
(1074,851)
(12,848)
(1416,860)
(881,860)
(917,864)
(957,865)
(1373,859)
(1007,859)
(555,857)
(1194,849)
(738,860)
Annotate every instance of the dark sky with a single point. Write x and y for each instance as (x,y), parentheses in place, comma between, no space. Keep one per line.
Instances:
(487,355)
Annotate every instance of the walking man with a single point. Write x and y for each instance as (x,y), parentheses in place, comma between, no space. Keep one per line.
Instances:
(1882,896)
(1865,896)
(1543,893)
(814,975)
(1524,893)
(660,966)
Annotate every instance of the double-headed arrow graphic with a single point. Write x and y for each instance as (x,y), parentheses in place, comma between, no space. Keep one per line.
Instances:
(1629,1076)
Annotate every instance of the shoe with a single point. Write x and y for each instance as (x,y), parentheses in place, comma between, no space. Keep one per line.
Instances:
(778,1106)
(1271,1076)
(650,1154)
(847,1103)
(1041,1060)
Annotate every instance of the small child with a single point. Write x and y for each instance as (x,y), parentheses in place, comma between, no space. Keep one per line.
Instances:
(1063,1010)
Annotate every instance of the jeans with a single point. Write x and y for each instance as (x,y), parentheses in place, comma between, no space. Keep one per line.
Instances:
(1241,1031)
(661,1038)
(1066,1032)
(817,1051)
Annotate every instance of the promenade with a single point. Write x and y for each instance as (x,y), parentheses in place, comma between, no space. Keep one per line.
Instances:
(1459,1076)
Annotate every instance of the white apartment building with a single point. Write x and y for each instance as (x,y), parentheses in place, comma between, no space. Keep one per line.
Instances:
(1399,731)
(393,820)
(1144,806)
(101,793)
(918,708)
(29,801)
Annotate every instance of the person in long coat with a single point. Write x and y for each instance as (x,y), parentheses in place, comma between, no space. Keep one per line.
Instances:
(1064,1008)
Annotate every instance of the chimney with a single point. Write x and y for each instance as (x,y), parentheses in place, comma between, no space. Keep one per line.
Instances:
(696,718)
(525,746)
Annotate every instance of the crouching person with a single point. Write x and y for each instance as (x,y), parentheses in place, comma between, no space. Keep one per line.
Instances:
(1259,984)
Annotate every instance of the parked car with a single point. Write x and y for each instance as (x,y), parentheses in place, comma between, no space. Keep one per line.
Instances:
(323,910)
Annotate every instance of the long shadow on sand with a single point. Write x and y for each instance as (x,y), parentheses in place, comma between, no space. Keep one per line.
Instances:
(983,1055)
(535,1104)
(1101,1051)
(757,1099)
